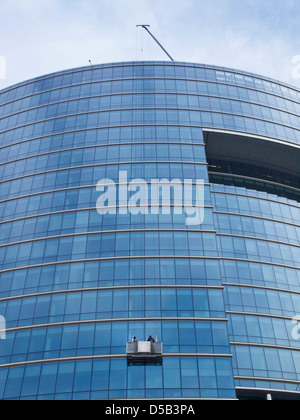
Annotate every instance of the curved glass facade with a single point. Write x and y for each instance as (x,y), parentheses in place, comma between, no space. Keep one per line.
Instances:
(75,286)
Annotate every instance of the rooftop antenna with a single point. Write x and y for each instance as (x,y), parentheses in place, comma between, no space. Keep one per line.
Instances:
(146,28)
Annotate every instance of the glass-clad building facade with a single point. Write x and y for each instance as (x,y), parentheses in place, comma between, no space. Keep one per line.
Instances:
(76,285)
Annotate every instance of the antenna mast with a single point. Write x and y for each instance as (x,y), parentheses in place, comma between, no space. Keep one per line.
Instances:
(146,28)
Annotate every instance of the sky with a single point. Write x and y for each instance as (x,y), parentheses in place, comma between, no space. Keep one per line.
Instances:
(43,36)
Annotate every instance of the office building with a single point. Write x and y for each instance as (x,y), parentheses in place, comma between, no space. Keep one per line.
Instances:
(76,285)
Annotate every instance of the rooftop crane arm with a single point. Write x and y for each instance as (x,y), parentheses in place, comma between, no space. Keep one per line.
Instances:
(146,28)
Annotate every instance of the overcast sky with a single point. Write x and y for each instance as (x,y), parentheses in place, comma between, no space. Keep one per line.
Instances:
(43,36)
